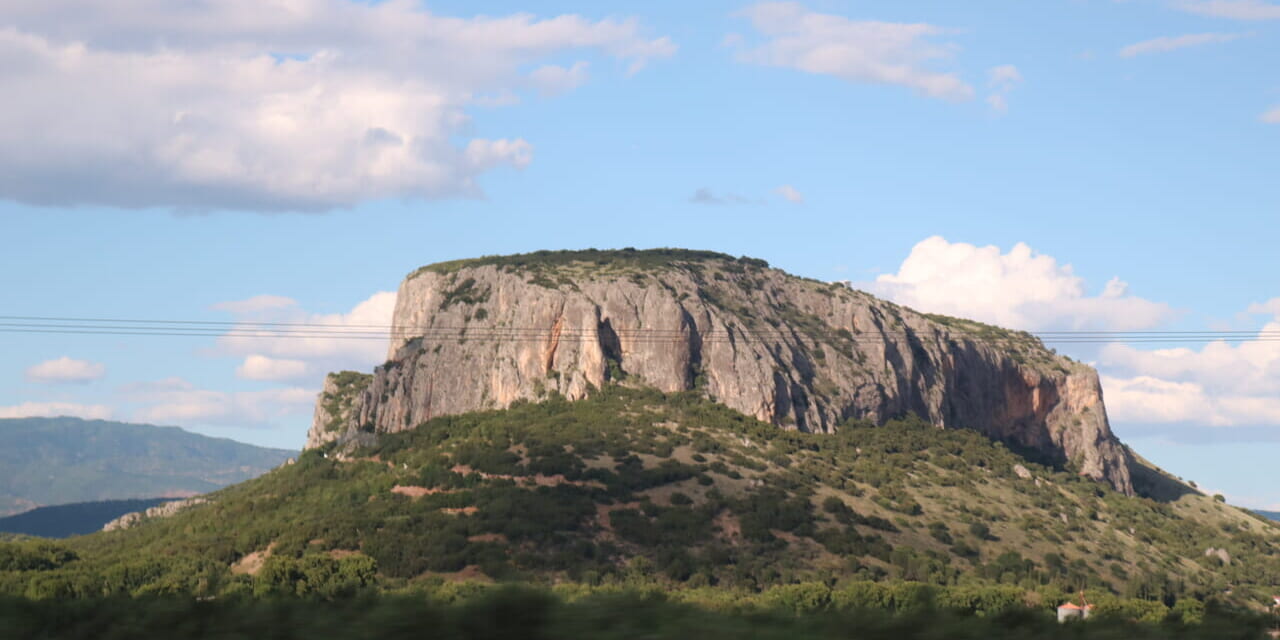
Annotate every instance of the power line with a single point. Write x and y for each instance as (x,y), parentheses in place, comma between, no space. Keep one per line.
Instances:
(385,327)
(327,331)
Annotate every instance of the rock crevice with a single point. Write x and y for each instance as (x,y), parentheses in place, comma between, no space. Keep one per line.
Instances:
(797,353)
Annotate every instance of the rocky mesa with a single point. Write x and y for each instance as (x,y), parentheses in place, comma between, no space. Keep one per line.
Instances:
(802,354)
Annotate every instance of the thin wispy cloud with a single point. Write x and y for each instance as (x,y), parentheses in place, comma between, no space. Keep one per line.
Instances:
(186,404)
(1001,80)
(56,409)
(1173,43)
(1232,9)
(704,195)
(790,194)
(860,51)
(66,370)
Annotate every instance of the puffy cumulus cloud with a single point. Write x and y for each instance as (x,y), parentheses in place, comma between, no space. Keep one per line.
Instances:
(852,50)
(66,370)
(1232,9)
(277,105)
(1219,384)
(1148,399)
(183,403)
(258,367)
(790,194)
(1020,289)
(1173,43)
(1002,80)
(56,409)
(308,342)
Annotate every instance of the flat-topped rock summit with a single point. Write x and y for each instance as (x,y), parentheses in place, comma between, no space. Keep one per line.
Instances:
(484,333)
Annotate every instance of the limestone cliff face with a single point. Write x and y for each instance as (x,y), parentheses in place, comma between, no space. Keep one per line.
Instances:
(798,353)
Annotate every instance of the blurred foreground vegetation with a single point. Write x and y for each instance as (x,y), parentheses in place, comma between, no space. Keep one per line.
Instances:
(538,614)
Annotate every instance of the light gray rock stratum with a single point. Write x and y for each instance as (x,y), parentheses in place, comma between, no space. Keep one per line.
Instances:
(165,510)
(481,334)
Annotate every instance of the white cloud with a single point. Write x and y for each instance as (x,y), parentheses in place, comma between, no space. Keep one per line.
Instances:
(320,342)
(1145,399)
(1270,307)
(1150,400)
(703,195)
(172,383)
(66,370)
(998,103)
(256,304)
(1272,116)
(289,105)
(1232,9)
(56,409)
(1219,384)
(552,80)
(1173,43)
(1020,289)
(258,367)
(1003,76)
(1002,80)
(790,194)
(185,405)
(855,51)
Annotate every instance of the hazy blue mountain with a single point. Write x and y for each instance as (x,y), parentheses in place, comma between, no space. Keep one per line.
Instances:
(79,518)
(51,461)
(1270,515)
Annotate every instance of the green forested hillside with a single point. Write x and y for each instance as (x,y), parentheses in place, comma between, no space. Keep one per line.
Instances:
(636,487)
(50,461)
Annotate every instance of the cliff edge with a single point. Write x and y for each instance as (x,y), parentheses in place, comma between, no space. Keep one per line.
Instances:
(481,334)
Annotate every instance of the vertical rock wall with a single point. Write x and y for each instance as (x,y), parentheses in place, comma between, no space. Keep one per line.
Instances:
(797,353)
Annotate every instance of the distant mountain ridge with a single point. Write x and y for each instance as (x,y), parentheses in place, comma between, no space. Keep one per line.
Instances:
(53,461)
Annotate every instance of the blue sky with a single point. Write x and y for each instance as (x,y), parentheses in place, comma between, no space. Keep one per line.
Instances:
(1073,164)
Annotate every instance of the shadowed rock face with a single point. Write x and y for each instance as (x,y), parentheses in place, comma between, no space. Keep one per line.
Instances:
(798,353)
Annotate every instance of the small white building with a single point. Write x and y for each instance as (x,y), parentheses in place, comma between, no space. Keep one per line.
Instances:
(1073,611)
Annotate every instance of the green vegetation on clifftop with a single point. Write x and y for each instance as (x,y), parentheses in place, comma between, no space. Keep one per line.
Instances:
(641,259)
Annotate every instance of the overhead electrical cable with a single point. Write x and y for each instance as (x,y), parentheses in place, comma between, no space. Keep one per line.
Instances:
(493,333)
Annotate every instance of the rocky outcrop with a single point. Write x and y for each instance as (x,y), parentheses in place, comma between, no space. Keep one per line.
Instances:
(165,510)
(798,353)
(333,407)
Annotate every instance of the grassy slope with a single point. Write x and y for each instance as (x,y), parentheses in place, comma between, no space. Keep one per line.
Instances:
(695,494)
